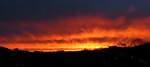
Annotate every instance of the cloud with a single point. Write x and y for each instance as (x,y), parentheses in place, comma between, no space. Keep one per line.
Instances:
(136,27)
(46,9)
(73,21)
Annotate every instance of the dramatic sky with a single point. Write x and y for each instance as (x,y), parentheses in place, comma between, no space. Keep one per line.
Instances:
(73,23)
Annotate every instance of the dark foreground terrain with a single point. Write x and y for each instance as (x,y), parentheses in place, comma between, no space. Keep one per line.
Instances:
(113,56)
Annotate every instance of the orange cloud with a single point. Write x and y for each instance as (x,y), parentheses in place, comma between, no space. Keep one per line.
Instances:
(81,32)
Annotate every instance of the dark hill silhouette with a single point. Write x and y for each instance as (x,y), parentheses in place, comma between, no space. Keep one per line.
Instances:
(113,56)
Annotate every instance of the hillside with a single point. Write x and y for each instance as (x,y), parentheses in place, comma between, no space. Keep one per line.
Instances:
(113,56)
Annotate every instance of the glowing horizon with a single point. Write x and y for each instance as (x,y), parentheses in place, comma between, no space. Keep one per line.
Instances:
(105,34)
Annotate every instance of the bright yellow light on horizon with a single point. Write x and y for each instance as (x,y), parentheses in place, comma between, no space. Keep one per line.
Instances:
(58,47)
(90,45)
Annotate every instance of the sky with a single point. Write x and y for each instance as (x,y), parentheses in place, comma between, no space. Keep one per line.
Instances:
(72,21)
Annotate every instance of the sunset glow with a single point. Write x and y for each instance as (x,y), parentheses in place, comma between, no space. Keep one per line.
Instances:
(79,34)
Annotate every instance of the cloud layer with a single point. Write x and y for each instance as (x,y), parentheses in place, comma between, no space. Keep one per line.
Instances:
(73,21)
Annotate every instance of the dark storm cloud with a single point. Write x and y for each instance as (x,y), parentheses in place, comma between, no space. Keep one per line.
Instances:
(46,9)
(20,16)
